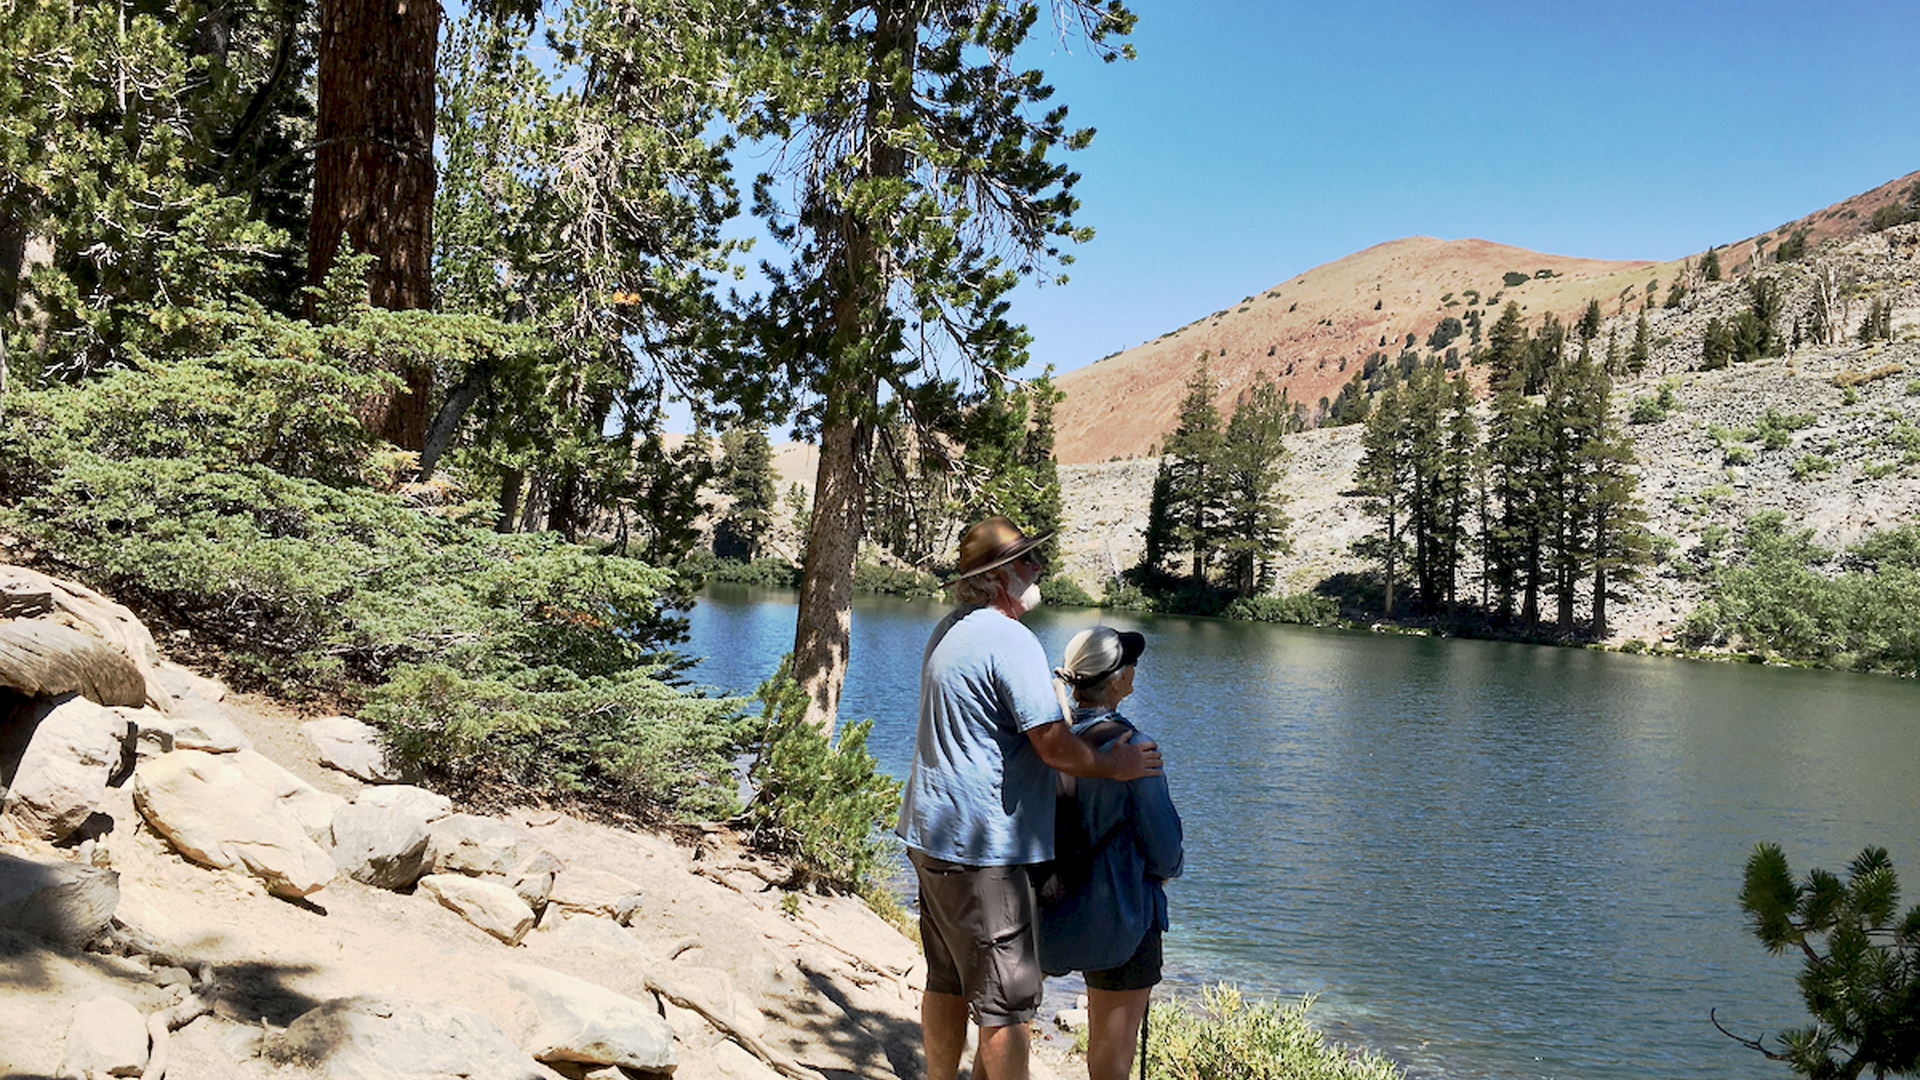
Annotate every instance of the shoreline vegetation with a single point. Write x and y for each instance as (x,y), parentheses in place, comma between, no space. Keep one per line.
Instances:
(1780,579)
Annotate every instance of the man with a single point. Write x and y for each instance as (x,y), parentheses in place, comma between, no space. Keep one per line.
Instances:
(978,807)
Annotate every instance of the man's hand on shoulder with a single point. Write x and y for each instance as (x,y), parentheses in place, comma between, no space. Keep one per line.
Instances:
(1129,760)
(1059,747)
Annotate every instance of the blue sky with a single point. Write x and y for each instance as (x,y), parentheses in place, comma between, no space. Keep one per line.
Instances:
(1252,141)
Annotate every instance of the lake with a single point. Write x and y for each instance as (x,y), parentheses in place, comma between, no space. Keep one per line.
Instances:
(1486,859)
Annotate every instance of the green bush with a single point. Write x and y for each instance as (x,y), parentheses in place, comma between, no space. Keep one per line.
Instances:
(1225,1037)
(1777,593)
(898,581)
(1063,590)
(1513,278)
(1810,465)
(769,571)
(816,802)
(1304,608)
(218,491)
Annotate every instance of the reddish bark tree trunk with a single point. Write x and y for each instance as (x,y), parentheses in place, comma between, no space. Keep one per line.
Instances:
(374,173)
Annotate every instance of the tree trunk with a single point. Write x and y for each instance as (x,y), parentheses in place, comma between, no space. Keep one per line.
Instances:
(374,173)
(825,623)
(1599,586)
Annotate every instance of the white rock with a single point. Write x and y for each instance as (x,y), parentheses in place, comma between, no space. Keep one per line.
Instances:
(428,806)
(310,806)
(382,847)
(214,814)
(483,847)
(1071,1019)
(75,748)
(58,901)
(736,1063)
(108,1037)
(488,905)
(195,724)
(579,1021)
(351,746)
(389,1037)
(593,891)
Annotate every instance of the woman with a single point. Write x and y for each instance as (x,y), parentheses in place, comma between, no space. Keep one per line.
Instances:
(1109,924)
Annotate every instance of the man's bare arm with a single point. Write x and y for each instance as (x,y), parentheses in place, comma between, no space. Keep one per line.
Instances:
(1059,747)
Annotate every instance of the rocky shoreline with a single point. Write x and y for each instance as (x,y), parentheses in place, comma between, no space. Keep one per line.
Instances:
(222,888)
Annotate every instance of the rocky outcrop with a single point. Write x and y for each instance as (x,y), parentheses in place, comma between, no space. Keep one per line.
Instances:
(360,979)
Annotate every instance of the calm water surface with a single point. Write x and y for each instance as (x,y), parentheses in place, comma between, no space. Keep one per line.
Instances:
(1488,860)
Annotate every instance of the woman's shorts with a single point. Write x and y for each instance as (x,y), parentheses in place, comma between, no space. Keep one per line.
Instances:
(1138,973)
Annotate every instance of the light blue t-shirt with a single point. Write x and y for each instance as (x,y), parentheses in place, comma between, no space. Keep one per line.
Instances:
(979,793)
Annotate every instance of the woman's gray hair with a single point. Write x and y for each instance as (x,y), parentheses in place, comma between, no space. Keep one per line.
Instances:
(1090,662)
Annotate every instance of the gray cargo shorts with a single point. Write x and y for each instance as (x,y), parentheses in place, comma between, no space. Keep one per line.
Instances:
(977,926)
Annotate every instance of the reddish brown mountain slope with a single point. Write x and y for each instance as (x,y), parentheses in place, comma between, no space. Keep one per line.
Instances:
(1311,332)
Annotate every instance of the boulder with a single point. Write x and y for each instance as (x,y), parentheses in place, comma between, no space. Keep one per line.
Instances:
(488,905)
(311,807)
(78,607)
(213,813)
(485,848)
(183,690)
(351,746)
(576,1020)
(72,748)
(108,1037)
(382,839)
(390,1037)
(194,725)
(589,890)
(42,658)
(64,902)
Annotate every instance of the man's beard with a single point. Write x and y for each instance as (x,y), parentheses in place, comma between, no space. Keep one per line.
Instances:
(1030,598)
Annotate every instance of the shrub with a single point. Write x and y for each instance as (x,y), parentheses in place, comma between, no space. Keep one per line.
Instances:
(1063,590)
(1225,1037)
(1306,609)
(900,581)
(1515,277)
(485,659)
(1810,465)
(818,802)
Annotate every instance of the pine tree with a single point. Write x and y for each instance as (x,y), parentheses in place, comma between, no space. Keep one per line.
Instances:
(1253,521)
(1382,478)
(747,478)
(1710,265)
(1508,355)
(1195,451)
(918,186)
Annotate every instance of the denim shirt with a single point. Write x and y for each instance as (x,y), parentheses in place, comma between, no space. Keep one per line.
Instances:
(1101,926)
